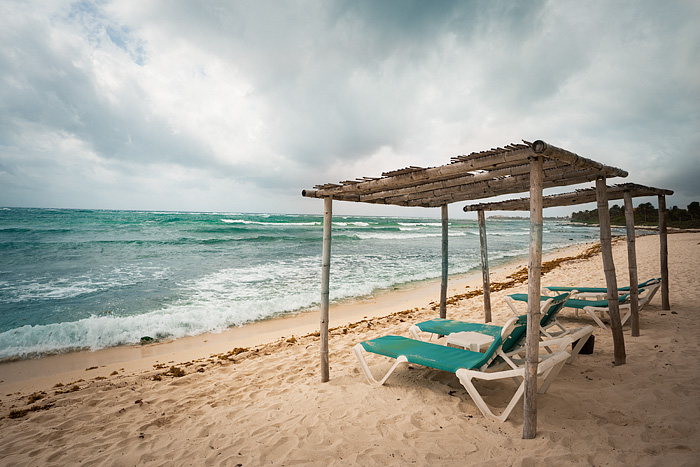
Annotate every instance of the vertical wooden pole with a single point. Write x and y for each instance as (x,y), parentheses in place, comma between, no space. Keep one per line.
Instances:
(445,260)
(632,263)
(609,267)
(485,266)
(663,241)
(534,271)
(325,286)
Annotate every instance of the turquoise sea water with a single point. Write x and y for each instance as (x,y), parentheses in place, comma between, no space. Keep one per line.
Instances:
(90,279)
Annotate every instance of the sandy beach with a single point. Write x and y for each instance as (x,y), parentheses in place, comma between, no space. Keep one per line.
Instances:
(252,396)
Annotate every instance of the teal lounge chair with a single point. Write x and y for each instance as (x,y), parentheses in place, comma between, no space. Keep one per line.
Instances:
(589,306)
(514,344)
(649,288)
(603,290)
(465,364)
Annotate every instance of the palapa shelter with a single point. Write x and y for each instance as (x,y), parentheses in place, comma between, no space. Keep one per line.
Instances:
(515,168)
(625,191)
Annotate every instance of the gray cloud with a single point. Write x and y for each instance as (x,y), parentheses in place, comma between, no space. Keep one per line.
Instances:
(186,103)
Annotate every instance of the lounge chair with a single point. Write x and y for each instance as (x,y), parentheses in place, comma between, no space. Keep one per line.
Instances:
(514,344)
(603,290)
(589,306)
(466,364)
(549,309)
(650,288)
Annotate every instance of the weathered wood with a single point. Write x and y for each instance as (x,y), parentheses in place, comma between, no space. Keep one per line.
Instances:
(439,185)
(663,242)
(444,172)
(489,189)
(485,266)
(581,196)
(445,261)
(540,147)
(484,188)
(325,286)
(469,178)
(609,268)
(482,184)
(534,272)
(632,263)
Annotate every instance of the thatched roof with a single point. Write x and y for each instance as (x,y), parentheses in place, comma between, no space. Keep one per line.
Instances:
(478,175)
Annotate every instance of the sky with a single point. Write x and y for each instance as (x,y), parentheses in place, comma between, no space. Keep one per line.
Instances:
(237,106)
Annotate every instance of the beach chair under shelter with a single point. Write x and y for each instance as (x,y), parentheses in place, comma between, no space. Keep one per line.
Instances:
(514,168)
(624,191)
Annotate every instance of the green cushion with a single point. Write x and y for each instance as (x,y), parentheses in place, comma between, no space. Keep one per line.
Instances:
(522,297)
(581,304)
(435,356)
(449,326)
(600,289)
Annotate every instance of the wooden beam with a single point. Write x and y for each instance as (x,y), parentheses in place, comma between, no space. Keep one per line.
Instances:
(534,272)
(609,268)
(581,196)
(485,266)
(445,172)
(472,177)
(490,188)
(325,286)
(445,261)
(632,263)
(486,186)
(663,242)
(435,186)
(540,147)
(483,187)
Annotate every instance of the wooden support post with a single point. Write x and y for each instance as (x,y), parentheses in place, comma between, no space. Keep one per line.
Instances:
(445,260)
(485,266)
(609,267)
(325,286)
(632,263)
(663,241)
(534,271)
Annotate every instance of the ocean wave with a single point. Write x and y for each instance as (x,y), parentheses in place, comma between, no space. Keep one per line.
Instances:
(355,224)
(420,224)
(72,287)
(99,332)
(403,236)
(247,222)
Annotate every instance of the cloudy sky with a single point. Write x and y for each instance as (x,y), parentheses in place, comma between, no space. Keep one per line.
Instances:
(239,105)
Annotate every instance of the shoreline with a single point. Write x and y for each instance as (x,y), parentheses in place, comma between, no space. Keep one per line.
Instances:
(26,375)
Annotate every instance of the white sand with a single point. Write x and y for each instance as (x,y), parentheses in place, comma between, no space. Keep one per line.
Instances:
(267,406)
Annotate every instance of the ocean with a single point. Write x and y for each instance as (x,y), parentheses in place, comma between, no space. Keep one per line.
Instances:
(91,279)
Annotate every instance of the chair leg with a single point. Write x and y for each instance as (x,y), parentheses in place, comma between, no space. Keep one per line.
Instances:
(591,312)
(359,353)
(627,315)
(581,336)
(414,331)
(557,362)
(465,377)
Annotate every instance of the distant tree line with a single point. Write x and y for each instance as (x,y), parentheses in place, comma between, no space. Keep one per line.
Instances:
(646,214)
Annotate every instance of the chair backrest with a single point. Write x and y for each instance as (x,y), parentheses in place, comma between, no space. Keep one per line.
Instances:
(517,335)
(549,311)
(650,282)
(555,306)
(499,341)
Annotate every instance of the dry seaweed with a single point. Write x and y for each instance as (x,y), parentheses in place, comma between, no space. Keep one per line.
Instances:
(23,412)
